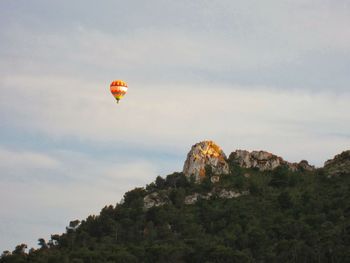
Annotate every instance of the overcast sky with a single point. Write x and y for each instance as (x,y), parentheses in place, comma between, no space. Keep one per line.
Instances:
(256,75)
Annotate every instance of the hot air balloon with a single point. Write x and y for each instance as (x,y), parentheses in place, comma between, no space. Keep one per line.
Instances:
(118,89)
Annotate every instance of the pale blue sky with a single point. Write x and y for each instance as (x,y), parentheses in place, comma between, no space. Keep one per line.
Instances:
(269,75)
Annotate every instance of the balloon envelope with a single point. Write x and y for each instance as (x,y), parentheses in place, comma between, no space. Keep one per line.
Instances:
(118,89)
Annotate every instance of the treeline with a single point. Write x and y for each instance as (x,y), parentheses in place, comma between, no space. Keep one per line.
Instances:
(286,217)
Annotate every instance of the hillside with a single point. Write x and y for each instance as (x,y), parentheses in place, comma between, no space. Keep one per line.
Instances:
(248,207)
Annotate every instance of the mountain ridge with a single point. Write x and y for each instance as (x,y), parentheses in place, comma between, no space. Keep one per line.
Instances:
(249,207)
(208,153)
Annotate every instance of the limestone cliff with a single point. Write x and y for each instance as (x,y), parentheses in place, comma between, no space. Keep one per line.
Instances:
(202,154)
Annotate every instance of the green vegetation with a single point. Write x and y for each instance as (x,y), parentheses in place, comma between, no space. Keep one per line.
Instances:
(286,217)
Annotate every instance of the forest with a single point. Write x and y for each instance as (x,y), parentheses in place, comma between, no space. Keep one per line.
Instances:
(279,216)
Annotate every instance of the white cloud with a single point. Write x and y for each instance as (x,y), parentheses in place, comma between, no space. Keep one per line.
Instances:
(24,165)
(242,37)
(151,115)
(10,159)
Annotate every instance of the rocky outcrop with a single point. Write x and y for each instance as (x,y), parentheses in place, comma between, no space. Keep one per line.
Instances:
(159,199)
(215,179)
(221,193)
(153,199)
(339,165)
(207,153)
(228,194)
(191,199)
(203,154)
(256,159)
(265,161)
(304,165)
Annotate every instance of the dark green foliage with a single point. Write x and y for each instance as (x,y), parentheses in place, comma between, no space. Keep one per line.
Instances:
(42,243)
(176,180)
(134,197)
(177,197)
(285,217)
(285,200)
(160,182)
(280,177)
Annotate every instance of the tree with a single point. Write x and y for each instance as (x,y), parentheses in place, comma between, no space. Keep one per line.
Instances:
(279,177)
(6,253)
(177,196)
(176,180)
(160,182)
(20,249)
(42,243)
(134,197)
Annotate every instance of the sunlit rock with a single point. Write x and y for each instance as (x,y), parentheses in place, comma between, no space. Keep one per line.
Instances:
(204,154)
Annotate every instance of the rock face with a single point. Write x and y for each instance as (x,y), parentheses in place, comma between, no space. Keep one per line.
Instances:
(208,153)
(304,165)
(203,154)
(158,199)
(256,159)
(228,194)
(153,199)
(223,193)
(265,161)
(339,165)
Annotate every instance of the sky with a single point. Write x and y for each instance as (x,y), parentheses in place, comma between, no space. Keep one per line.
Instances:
(257,75)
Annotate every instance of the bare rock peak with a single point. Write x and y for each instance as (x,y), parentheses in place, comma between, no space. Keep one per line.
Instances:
(208,153)
(202,154)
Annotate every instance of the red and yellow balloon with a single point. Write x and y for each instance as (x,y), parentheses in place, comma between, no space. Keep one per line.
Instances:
(118,89)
